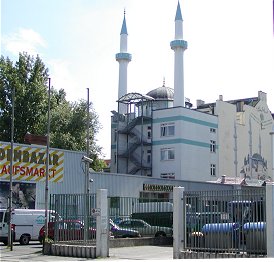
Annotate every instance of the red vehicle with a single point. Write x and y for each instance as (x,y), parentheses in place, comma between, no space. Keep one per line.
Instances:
(66,230)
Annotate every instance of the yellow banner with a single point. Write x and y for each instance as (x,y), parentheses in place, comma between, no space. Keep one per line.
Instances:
(29,163)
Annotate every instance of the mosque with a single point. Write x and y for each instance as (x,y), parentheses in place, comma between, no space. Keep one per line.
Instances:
(159,141)
(162,135)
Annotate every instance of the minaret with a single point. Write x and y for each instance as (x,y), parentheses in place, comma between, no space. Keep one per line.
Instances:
(178,46)
(123,58)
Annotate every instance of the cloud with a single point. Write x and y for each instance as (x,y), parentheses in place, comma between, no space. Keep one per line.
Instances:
(61,73)
(25,40)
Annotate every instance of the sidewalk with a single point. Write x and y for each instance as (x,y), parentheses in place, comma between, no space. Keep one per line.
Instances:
(141,253)
(33,253)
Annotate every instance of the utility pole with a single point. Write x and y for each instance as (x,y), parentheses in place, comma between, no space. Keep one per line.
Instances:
(11,170)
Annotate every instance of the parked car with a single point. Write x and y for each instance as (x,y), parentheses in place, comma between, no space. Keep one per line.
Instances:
(117,231)
(67,230)
(146,229)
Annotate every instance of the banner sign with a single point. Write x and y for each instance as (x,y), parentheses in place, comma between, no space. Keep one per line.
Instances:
(29,163)
(163,188)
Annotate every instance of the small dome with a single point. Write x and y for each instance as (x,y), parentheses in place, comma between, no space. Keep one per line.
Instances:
(162,93)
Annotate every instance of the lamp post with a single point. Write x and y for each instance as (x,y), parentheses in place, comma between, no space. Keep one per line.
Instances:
(87,163)
(86,190)
(11,170)
(47,167)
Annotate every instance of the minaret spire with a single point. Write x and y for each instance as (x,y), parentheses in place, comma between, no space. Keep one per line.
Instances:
(178,46)
(123,58)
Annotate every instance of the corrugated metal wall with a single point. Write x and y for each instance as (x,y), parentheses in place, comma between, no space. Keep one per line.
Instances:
(73,182)
(124,185)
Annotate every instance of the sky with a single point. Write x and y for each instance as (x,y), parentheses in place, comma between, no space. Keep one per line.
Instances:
(230,47)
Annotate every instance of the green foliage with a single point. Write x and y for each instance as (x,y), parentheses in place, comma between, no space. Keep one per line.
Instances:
(28,78)
(99,165)
(68,120)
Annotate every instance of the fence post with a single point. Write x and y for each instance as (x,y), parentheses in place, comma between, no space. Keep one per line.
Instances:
(270,219)
(178,221)
(102,224)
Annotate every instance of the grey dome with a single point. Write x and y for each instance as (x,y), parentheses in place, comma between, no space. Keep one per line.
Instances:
(162,93)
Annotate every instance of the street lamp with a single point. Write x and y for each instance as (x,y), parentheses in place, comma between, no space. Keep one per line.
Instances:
(11,169)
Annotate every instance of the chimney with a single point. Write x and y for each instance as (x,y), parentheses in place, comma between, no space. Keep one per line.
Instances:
(262,96)
(223,179)
(199,102)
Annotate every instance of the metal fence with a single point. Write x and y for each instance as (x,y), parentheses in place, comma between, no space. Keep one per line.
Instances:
(149,217)
(129,217)
(74,222)
(231,221)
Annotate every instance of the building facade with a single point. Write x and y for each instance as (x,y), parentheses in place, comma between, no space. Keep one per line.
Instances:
(244,138)
(160,134)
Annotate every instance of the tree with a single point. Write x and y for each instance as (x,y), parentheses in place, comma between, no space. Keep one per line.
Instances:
(28,77)
(68,124)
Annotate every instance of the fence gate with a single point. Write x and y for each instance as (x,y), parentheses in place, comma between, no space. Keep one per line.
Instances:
(74,222)
(224,223)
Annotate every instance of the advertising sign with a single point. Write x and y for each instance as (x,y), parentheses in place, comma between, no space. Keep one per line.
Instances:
(29,163)
(23,195)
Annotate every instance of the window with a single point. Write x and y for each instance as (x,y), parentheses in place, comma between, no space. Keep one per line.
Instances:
(212,130)
(149,132)
(167,154)
(115,202)
(212,146)
(115,135)
(149,156)
(168,129)
(212,169)
(168,175)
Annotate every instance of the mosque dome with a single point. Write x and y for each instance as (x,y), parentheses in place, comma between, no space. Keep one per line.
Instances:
(162,93)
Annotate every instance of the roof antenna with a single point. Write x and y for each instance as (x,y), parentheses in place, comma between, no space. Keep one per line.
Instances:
(164,82)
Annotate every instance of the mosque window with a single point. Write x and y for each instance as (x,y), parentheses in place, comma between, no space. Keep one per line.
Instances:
(212,146)
(168,129)
(149,156)
(149,132)
(213,170)
(167,154)
(115,135)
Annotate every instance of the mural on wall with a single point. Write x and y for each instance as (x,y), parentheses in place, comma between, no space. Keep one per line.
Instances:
(23,195)
(255,168)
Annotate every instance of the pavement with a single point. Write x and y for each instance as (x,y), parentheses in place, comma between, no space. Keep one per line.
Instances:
(33,252)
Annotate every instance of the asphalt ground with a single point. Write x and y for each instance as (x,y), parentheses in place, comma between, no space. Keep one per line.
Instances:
(33,252)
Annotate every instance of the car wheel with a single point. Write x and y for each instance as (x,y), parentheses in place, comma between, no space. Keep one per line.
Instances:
(24,240)
(160,234)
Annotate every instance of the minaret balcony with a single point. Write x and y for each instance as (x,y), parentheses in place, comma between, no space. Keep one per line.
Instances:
(123,56)
(178,43)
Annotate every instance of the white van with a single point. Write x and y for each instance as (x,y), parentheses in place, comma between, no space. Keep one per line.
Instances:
(26,223)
